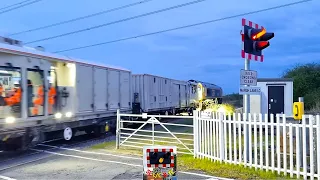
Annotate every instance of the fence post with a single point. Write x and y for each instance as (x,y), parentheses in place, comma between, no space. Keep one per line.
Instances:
(118,130)
(195,133)
(153,130)
(221,137)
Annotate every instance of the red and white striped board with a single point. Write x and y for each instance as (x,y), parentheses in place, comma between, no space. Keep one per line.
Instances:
(160,165)
(247,55)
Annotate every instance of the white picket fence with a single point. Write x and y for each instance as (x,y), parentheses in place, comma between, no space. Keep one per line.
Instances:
(274,144)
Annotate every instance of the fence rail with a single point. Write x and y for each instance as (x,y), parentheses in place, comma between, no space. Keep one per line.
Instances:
(152,131)
(278,145)
(274,143)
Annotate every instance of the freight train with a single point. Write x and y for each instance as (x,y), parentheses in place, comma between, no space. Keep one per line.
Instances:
(46,96)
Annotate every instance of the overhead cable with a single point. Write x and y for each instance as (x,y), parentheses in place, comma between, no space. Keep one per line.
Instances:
(118,21)
(186,26)
(23,5)
(81,18)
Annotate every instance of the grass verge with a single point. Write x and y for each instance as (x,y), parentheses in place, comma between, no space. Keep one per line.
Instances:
(187,162)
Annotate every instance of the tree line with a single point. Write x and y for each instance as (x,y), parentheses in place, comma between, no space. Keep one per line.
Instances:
(306,83)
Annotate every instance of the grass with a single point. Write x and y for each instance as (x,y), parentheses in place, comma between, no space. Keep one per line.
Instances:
(188,163)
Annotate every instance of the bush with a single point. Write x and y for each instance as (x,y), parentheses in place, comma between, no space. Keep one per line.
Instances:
(306,83)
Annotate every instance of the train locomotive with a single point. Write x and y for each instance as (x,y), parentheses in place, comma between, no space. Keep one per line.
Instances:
(45,96)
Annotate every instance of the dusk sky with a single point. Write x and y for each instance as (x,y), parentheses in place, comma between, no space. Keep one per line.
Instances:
(209,52)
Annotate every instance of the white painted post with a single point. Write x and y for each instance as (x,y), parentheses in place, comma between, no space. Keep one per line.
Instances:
(261,142)
(284,144)
(230,139)
(211,138)
(304,147)
(272,142)
(250,139)
(214,133)
(312,162)
(240,137)
(246,140)
(278,144)
(221,137)
(318,145)
(208,137)
(205,135)
(267,140)
(200,135)
(152,132)
(255,143)
(291,149)
(298,151)
(195,134)
(225,136)
(118,130)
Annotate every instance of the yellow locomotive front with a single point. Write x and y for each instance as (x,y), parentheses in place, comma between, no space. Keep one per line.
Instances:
(209,98)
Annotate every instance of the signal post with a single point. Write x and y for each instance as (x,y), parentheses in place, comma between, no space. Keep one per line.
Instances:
(255,38)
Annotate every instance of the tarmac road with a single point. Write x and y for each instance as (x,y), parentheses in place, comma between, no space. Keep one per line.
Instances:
(51,161)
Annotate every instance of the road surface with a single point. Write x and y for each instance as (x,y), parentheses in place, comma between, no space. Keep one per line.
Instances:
(51,161)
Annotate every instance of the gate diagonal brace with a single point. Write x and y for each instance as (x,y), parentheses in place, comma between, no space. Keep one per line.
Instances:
(155,120)
(149,120)
(173,135)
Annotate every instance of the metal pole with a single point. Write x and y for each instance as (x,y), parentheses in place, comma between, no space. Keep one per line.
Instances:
(300,131)
(246,105)
(301,99)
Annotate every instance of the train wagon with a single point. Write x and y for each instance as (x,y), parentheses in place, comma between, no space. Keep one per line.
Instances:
(158,95)
(180,96)
(46,96)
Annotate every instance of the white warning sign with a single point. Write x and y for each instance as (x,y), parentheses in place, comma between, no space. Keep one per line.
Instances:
(248,77)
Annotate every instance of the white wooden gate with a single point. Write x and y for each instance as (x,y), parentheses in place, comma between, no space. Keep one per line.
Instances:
(178,131)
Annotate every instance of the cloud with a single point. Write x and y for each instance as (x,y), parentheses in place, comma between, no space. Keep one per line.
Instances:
(208,52)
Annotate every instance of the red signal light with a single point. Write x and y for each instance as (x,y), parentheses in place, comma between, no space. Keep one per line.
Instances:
(260,45)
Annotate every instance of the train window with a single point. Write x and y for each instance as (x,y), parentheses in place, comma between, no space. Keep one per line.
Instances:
(165,81)
(155,99)
(194,89)
(10,92)
(218,93)
(210,93)
(35,92)
(52,92)
(166,98)
(154,80)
